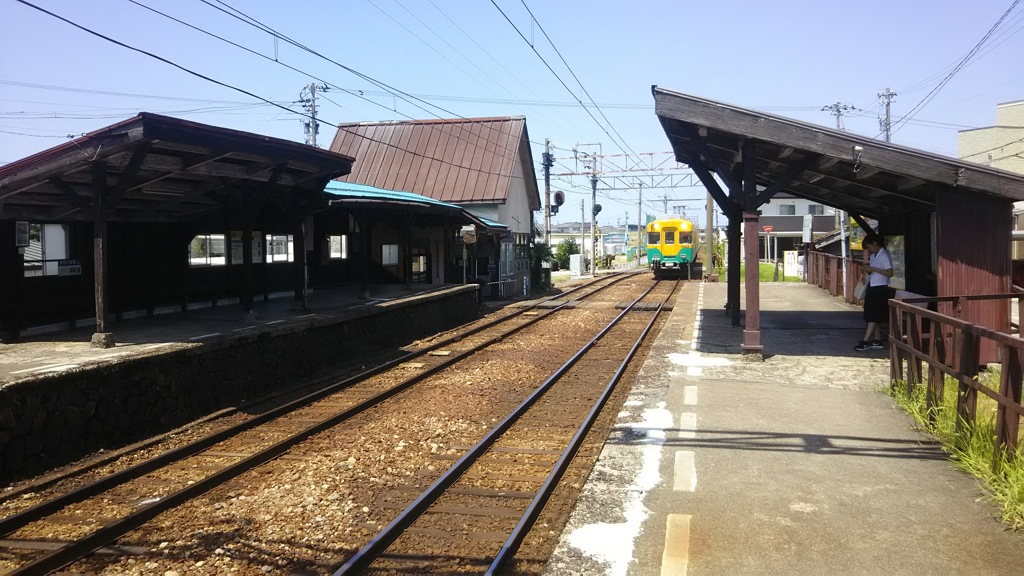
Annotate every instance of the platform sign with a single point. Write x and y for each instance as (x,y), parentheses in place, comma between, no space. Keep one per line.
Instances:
(69,268)
(236,246)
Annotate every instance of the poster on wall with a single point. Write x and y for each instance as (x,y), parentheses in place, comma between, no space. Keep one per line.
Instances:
(236,246)
(898,255)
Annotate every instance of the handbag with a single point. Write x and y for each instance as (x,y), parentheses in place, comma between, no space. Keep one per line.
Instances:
(860,288)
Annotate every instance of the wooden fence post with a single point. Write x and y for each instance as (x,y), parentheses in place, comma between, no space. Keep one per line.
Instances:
(1008,421)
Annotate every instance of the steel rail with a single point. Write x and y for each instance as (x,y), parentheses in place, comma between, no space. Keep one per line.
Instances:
(41,510)
(366,555)
(80,548)
(511,545)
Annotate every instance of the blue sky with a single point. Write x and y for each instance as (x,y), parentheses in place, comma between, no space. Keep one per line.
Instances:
(464,58)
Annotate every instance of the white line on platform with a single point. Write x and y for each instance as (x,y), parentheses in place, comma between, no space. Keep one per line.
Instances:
(35,368)
(676,557)
(244,329)
(688,425)
(272,322)
(205,336)
(684,477)
(690,395)
(59,368)
(306,315)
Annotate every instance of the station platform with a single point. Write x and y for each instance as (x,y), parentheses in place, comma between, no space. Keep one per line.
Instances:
(797,465)
(46,351)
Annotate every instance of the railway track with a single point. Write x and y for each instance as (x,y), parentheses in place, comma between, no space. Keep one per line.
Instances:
(496,489)
(146,489)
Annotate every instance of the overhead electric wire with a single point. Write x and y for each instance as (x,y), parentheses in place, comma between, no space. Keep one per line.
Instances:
(241,90)
(559,78)
(491,56)
(569,68)
(352,92)
(395,92)
(931,95)
(438,52)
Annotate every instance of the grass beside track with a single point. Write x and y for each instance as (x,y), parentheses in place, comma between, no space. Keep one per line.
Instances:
(972,450)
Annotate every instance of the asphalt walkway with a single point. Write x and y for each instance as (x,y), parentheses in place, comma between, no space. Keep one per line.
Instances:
(797,465)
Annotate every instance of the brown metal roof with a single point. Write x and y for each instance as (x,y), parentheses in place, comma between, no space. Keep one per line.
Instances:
(159,169)
(462,161)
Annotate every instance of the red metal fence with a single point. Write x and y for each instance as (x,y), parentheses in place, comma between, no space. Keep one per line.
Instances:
(948,346)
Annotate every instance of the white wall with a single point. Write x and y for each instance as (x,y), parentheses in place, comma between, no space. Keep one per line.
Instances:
(800,207)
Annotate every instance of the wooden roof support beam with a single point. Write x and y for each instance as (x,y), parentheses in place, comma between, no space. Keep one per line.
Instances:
(827,162)
(865,172)
(721,198)
(702,147)
(907,182)
(131,171)
(188,164)
(863,223)
(79,201)
(791,174)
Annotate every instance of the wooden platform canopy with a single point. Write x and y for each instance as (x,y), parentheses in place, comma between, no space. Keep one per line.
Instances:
(153,168)
(954,216)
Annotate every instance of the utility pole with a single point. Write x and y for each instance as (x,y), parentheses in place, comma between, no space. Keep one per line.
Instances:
(594,208)
(664,200)
(547,162)
(311,126)
(583,237)
(640,221)
(837,110)
(885,124)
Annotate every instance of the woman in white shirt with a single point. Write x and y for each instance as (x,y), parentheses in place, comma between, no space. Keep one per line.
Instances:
(876,298)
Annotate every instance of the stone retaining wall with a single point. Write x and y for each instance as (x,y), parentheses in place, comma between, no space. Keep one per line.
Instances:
(54,419)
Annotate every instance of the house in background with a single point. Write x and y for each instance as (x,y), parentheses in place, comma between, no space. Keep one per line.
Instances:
(483,165)
(1001,146)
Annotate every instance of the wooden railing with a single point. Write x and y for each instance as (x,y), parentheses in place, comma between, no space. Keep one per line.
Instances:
(826,271)
(951,347)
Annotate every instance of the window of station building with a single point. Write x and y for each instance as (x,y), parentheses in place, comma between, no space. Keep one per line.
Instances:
(207,250)
(816,209)
(339,246)
(787,209)
(389,255)
(279,248)
(47,250)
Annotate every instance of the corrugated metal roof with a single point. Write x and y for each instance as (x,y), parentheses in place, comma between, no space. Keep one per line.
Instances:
(356,192)
(462,161)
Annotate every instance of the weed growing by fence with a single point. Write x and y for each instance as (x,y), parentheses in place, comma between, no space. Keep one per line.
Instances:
(972,448)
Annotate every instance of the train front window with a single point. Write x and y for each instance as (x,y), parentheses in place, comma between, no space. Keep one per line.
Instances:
(670,236)
(685,238)
(654,237)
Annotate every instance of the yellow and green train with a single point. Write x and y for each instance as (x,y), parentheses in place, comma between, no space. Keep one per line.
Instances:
(672,248)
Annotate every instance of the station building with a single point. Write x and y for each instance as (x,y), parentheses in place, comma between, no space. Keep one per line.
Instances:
(156,214)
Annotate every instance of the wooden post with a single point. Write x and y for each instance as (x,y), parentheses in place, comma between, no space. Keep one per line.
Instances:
(752,327)
(967,398)
(1008,421)
(733,288)
(363,220)
(248,291)
(101,338)
(298,261)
